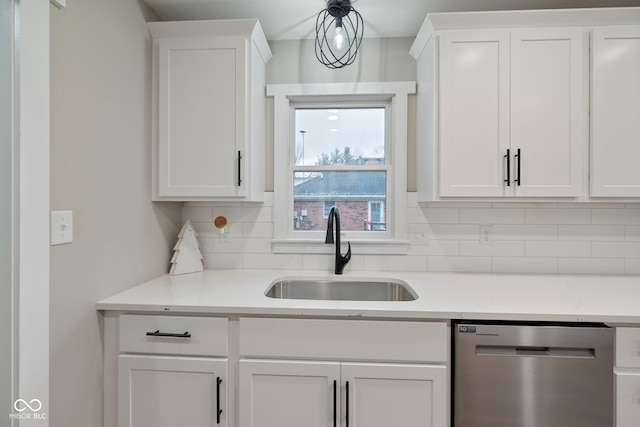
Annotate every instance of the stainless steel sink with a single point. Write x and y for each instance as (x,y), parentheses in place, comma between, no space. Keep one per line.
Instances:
(341,289)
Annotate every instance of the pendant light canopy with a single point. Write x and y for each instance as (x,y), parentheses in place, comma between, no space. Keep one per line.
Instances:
(339,30)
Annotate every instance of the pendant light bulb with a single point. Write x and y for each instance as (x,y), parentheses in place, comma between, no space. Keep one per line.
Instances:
(338,38)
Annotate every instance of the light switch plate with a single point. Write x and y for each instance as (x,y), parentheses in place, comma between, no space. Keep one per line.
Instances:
(61,227)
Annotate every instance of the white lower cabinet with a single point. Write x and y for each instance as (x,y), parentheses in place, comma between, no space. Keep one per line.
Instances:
(348,373)
(627,398)
(627,377)
(319,394)
(157,391)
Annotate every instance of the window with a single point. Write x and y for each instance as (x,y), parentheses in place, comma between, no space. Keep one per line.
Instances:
(326,209)
(340,145)
(339,160)
(376,217)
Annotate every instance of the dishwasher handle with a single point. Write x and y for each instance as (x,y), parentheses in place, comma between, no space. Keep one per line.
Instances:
(535,351)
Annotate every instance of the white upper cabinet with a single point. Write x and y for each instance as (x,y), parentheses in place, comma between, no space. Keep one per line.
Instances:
(615,103)
(511,112)
(209,110)
(474,112)
(548,111)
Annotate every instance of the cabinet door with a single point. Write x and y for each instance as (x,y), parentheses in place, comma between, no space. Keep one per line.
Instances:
(383,395)
(168,392)
(615,142)
(547,111)
(201,116)
(288,394)
(474,112)
(627,398)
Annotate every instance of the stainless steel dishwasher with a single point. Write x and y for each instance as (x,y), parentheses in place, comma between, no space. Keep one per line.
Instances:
(532,375)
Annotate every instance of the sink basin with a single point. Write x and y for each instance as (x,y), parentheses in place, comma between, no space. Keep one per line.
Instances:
(341,289)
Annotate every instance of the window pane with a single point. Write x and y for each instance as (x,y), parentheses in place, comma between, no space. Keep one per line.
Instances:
(353,193)
(353,136)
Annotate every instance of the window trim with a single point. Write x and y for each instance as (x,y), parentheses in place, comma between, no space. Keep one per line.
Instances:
(396,94)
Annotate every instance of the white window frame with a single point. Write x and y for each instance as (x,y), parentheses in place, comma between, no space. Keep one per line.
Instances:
(396,94)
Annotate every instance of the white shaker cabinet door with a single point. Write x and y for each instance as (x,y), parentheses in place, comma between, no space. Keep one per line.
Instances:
(627,398)
(156,391)
(615,145)
(383,395)
(547,111)
(474,112)
(201,117)
(288,393)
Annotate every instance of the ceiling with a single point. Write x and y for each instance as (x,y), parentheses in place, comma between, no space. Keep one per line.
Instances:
(295,19)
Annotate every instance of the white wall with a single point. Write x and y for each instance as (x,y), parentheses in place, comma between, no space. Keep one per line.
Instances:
(527,238)
(6,203)
(101,170)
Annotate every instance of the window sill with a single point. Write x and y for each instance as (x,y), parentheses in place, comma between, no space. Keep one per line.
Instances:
(366,247)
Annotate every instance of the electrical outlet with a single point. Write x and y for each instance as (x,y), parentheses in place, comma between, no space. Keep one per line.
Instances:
(225,237)
(419,234)
(486,239)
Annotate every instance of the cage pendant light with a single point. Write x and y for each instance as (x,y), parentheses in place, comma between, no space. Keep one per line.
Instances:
(339,30)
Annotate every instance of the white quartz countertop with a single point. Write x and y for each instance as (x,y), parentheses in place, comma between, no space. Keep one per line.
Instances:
(610,299)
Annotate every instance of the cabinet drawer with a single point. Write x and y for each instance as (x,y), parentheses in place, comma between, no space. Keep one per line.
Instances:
(628,347)
(627,398)
(194,336)
(361,340)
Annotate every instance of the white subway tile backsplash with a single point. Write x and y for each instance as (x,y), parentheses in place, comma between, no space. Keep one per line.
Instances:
(616,250)
(454,232)
(590,266)
(529,237)
(222,261)
(558,249)
(436,247)
(459,264)
(252,261)
(591,232)
(197,213)
(616,216)
(206,244)
(258,230)
(632,266)
(525,232)
(524,265)
(557,216)
(395,263)
(491,216)
(632,233)
(496,248)
(441,215)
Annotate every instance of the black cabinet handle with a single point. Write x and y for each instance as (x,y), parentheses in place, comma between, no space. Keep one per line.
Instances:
(335,403)
(347,409)
(517,180)
(166,334)
(508,157)
(218,410)
(239,167)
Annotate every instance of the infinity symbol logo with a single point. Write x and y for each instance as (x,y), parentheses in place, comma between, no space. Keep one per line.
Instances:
(37,405)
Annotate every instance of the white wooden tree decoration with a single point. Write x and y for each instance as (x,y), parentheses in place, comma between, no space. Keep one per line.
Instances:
(187,257)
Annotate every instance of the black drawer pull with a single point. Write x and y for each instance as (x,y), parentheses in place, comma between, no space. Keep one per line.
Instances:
(517,180)
(166,334)
(347,408)
(508,158)
(239,168)
(218,410)
(335,404)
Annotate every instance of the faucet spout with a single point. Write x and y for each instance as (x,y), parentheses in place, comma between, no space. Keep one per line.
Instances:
(341,260)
